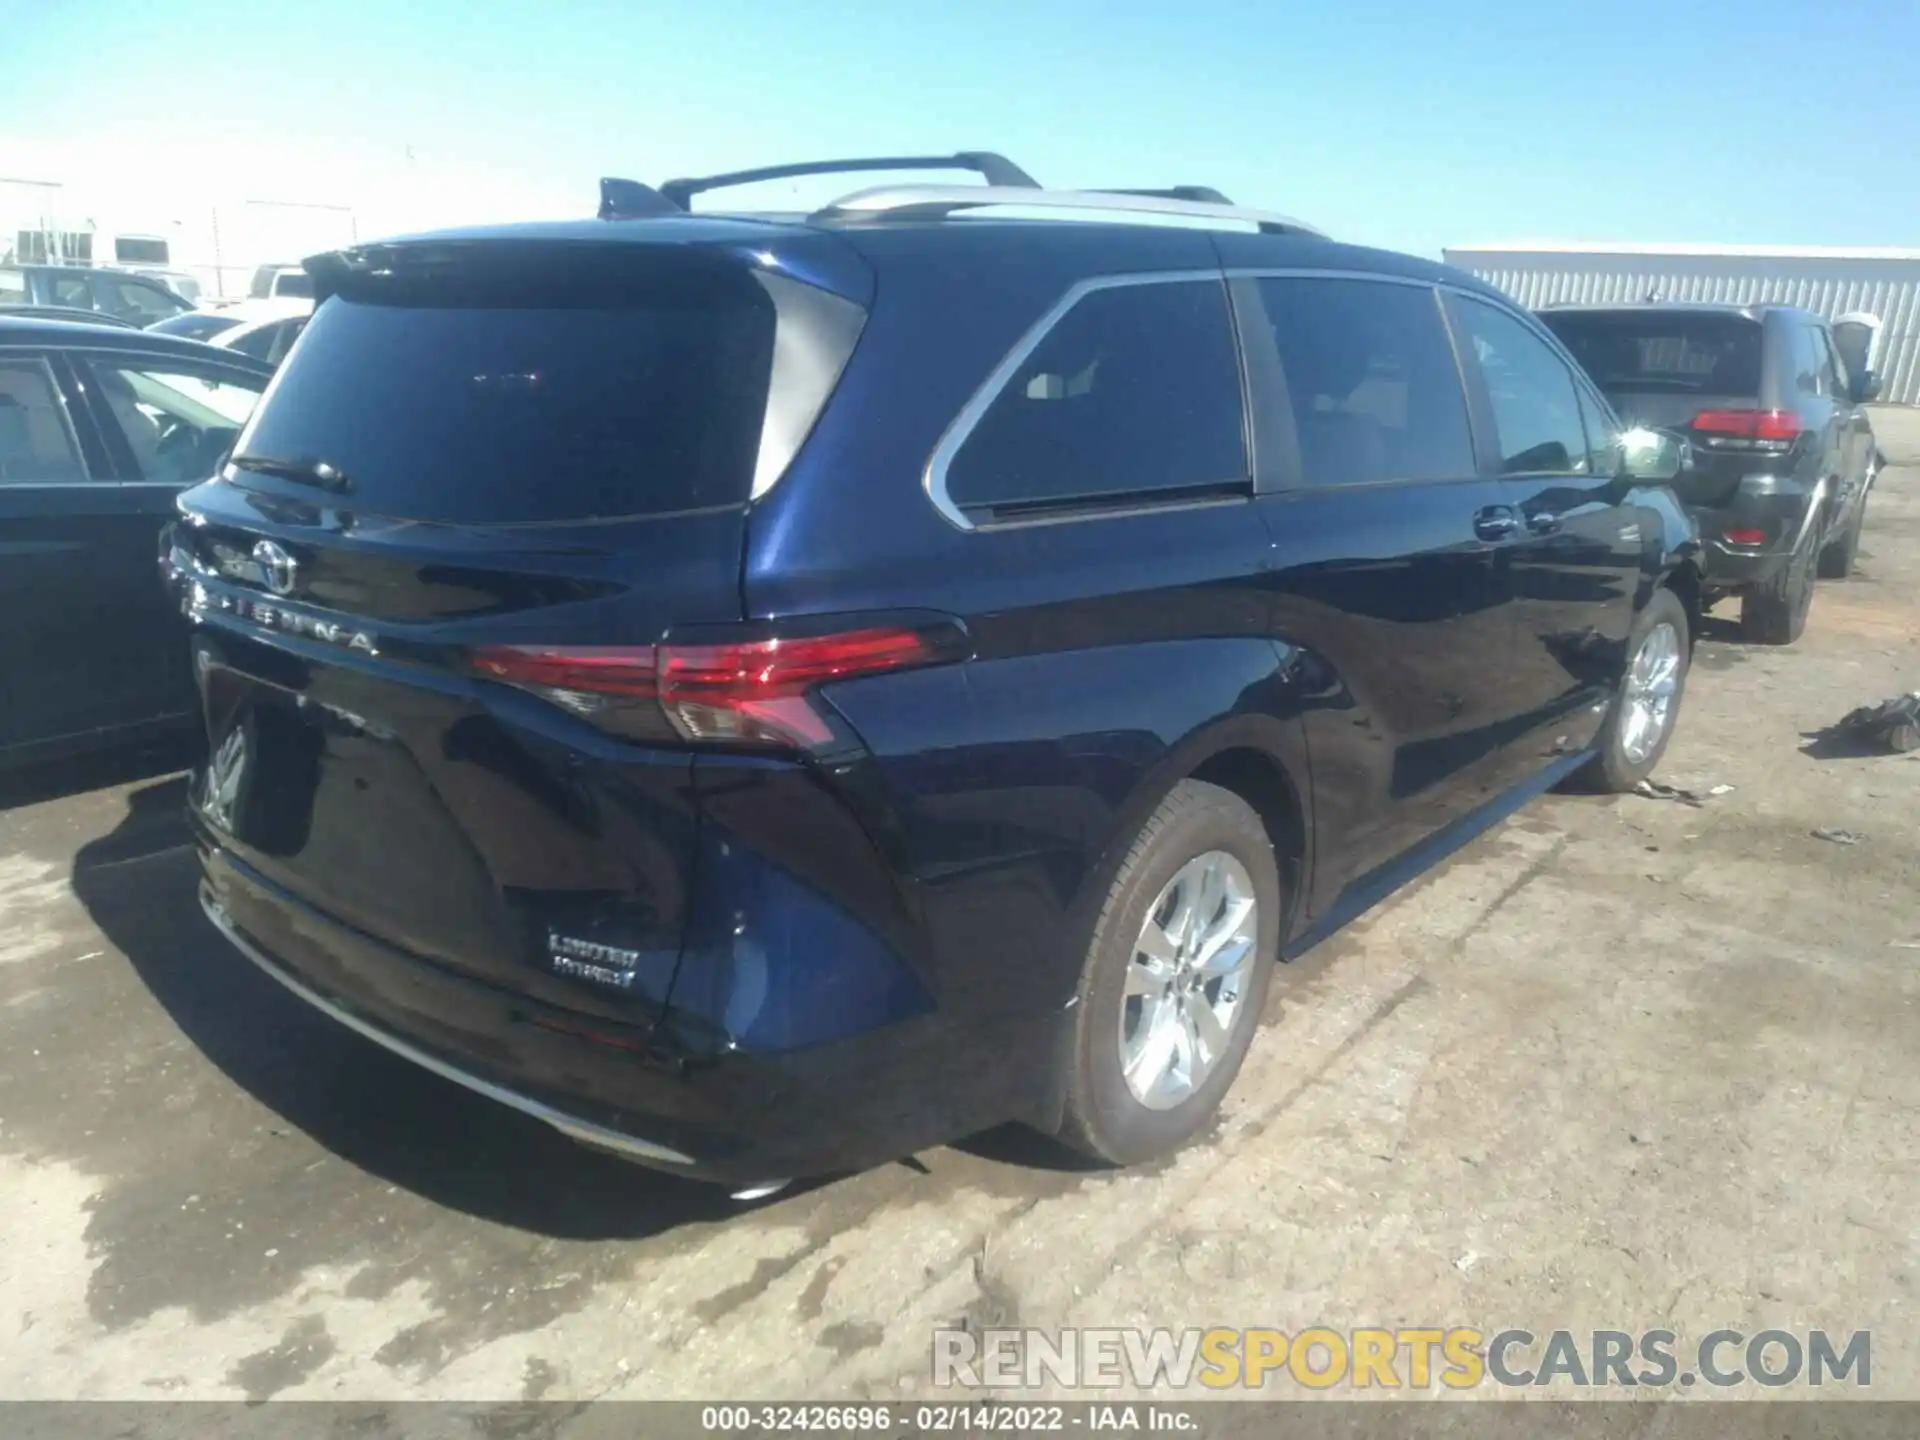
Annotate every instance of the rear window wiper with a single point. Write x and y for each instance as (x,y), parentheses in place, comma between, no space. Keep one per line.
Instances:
(301,472)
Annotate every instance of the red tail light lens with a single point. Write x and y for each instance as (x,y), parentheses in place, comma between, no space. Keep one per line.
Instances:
(594,670)
(753,692)
(1746,537)
(1748,424)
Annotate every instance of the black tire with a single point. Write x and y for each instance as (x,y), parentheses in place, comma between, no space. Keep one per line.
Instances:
(1836,559)
(1103,1118)
(1775,611)
(1611,771)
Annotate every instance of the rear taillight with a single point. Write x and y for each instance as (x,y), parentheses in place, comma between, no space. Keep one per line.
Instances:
(755,691)
(1745,537)
(1770,430)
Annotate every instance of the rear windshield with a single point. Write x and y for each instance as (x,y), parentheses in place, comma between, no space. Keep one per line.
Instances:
(585,405)
(1684,354)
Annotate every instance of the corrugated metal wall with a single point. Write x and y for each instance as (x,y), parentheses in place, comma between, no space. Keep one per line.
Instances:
(1831,287)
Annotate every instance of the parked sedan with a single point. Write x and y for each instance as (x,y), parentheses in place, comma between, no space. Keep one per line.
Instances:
(100,428)
(1784,453)
(197,324)
(266,340)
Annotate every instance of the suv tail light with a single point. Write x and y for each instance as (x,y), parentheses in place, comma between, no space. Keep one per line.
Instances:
(754,691)
(1771,430)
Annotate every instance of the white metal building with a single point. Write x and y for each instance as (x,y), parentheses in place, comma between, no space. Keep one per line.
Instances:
(1831,282)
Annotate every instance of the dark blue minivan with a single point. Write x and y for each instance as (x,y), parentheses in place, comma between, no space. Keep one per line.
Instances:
(767,694)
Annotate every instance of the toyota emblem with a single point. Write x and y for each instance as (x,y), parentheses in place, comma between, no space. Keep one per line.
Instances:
(277,567)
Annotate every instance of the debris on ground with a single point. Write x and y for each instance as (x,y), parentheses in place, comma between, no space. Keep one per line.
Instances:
(1839,837)
(1721,790)
(1892,724)
(1654,790)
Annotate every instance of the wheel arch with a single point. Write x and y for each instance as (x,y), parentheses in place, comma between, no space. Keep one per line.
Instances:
(1260,758)
(1685,578)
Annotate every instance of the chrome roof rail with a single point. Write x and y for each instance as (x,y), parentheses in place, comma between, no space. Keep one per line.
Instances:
(937,202)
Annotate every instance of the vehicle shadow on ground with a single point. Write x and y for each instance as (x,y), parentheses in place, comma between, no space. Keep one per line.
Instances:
(365,1105)
(120,766)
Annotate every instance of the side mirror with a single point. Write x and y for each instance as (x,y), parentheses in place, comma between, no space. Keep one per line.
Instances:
(1653,456)
(1864,386)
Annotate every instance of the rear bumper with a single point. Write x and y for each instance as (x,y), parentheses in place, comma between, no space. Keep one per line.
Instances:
(1779,509)
(728,1116)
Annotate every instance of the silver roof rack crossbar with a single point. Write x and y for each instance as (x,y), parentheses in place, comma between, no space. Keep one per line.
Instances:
(936,202)
(1205,194)
(994,169)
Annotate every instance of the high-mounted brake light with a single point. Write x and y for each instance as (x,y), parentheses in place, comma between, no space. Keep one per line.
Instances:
(1778,425)
(746,692)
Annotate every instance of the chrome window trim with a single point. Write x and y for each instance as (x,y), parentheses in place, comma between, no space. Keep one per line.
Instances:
(934,478)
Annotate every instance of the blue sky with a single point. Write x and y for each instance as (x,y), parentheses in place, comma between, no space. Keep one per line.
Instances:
(1410,125)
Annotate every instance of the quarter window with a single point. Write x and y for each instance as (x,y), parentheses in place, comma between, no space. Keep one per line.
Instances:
(1371,380)
(36,445)
(1536,414)
(1809,361)
(1134,392)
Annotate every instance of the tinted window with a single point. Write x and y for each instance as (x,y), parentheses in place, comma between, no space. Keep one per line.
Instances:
(1809,363)
(179,419)
(257,341)
(35,441)
(1371,379)
(132,300)
(1831,366)
(1536,413)
(295,283)
(70,290)
(1136,390)
(128,250)
(1671,351)
(495,414)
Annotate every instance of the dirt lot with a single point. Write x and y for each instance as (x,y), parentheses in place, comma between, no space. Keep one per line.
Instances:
(1623,1063)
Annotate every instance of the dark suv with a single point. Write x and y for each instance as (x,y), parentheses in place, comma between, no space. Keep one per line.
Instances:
(766,695)
(135,299)
(1783,452)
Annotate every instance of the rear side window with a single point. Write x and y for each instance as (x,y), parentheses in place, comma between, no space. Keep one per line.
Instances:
(1664,351)
(1536,411)
(1370,379)
(585,400)
(1134,392)
(36,446)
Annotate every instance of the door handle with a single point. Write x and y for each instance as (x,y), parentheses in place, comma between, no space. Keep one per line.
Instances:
(1540,522)
(1495,522)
